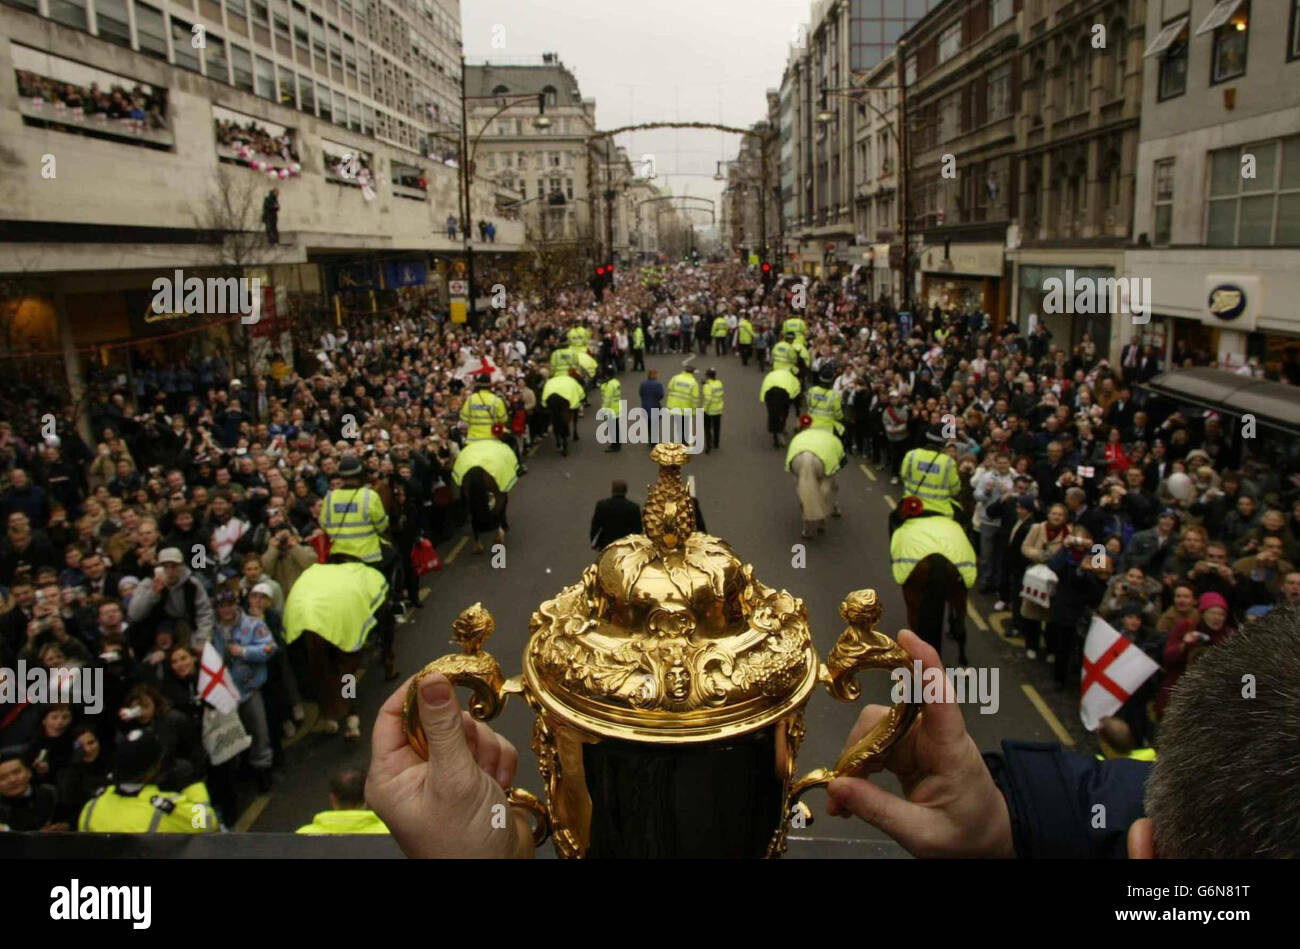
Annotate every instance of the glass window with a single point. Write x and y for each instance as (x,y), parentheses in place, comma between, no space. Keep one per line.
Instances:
(242,64)
(1173,68)
(69,12)
(214,57)
(950,42)
(287,86)
(318,36)
(236,8)
(999,12)
(150,31)
(1295,31)
(183,52)
(1164,201)
(112,23)
(1230,41)
(261,15)
(1258,211)
(265,78)
(367,120)
(999,92)
(306,95)
(323,97)
(909,71)
(354,115)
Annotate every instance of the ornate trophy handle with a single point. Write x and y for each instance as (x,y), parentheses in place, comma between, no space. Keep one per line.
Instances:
(476,669)
(860,647)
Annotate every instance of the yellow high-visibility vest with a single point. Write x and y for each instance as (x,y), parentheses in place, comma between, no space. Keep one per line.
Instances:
(611,393)
(821,443)
(784,356)
(919,537)
(493,456)
(931,476)
(337,602)
(354,518)
(713,397)
(794,325)
(745,332)
(123,810)
(356,821)
(480,411)
(783,379)
(825,408)
(683,392)
(562,360)
(719,327)
(566,386)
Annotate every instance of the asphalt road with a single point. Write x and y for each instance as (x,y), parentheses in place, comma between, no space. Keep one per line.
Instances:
(748,499)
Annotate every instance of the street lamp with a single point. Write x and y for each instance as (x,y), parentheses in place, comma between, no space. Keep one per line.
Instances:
(468,150)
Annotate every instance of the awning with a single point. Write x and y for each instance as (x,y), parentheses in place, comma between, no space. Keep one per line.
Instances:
(1165,38)
(1274,404)
(1222,11)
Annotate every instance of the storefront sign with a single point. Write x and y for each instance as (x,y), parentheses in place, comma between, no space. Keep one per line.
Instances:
(405,273)
(974,259)
(1232,301)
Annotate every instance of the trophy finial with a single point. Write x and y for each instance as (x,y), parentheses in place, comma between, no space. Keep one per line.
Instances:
(669,514)
(471,629)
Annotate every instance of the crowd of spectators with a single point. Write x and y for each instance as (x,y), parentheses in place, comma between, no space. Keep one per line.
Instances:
(194,506)
(259,140)
(139,104)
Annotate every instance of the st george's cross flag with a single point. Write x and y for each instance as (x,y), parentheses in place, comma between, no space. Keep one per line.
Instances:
(1113,669)
(216,686)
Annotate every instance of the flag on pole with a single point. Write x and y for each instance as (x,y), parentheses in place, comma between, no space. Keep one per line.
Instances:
(1113,669)
(215,684)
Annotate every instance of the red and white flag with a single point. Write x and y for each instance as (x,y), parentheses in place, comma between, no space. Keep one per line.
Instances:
(1113,669)
(216,686)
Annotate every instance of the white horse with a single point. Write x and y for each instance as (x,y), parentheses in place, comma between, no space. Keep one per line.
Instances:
(817,491)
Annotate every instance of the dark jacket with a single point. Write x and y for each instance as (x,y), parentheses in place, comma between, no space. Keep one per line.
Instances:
(1051,795)
(614,517)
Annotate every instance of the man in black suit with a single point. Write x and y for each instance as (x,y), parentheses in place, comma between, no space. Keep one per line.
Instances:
(615,517)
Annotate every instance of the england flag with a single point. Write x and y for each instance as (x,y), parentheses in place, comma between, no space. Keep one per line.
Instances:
(215,685)
(1113,669)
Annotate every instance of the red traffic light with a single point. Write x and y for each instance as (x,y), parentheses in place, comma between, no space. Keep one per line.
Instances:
(600,271)
(766,268)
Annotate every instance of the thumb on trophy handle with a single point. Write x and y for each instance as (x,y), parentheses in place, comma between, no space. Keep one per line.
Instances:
(448,748)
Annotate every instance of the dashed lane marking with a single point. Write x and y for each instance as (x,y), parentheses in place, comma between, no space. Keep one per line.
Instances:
(866,470)
(457,549)
(975,616)
(252,813)
(424,593)
(889,500)
(1053,722)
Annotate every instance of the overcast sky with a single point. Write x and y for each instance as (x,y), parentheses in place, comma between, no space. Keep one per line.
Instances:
(671,60)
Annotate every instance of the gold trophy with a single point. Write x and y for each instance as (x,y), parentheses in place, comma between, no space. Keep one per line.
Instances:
(669,688)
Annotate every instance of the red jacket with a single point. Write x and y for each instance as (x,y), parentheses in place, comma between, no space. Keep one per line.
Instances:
(1175,655)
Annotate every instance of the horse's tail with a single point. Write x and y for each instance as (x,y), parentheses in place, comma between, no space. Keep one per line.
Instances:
(778,406)
(934,600)
(477,491)
(810,472)
(558,406)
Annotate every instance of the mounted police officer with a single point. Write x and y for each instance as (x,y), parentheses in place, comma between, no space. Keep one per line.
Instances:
(824,404)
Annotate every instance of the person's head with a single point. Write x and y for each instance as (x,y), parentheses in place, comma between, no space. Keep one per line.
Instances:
(1193,540)
(1217,791)
(88,742)
(1076,498)
(1216,551)
(1246,506)
(252,568)
(15,775)
(1057,515)
(56,720)
(1002,463)
(171,561)
(1214,610)
(1167,523)
(109,615)
(618,489)
(348,790)
(183,662)
(226,604)
(1134,577)
(1054,451)
(138,759)
(1184,597)
(148,700)
(1115,737)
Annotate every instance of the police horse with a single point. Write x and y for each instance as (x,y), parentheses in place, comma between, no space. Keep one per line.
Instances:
(485,471)
(814,457)
(932,583)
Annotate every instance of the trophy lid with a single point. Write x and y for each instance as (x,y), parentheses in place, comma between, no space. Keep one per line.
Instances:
(669,637)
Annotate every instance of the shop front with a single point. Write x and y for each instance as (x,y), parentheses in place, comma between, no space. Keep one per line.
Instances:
(1068,329)
(964,277)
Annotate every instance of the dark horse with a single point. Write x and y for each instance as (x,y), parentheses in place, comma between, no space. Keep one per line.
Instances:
(562,415)
(487,506)
(932,584)
(778,409)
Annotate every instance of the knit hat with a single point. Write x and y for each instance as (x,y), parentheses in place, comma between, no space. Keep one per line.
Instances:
(1209,600)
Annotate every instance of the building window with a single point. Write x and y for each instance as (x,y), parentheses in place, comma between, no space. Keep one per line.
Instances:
(999,12)
(287,86)
(1117,30)
(236,8)
(354,115)
(183,54)
(1259,211)
(242,67)
(111,22)
(1294,47)
(323,97)
(550,94)
(950,116)
(150,31)
(265,79)
(306,95)
(999,92)
(909,71)
(950,42)
(69,13)
(1164,201)
(1228,60)
(214,58)
(1173,62)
